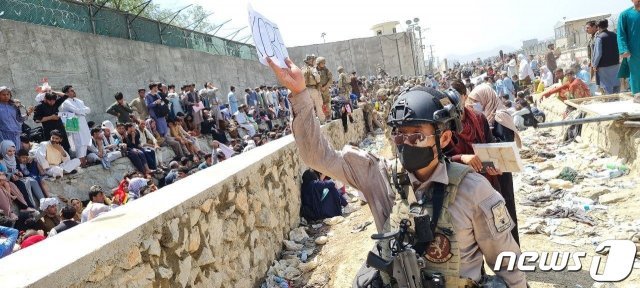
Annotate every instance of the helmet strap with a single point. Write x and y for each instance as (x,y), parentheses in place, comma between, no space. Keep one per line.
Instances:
(441,156)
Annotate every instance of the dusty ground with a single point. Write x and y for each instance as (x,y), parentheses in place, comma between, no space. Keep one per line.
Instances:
(345,252)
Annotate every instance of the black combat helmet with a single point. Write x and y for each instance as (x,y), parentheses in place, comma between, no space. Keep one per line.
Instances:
(427,105)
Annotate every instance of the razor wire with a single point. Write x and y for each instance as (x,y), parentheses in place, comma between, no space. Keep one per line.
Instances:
(114,23)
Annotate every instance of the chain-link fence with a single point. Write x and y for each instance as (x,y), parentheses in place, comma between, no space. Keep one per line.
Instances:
(92,18)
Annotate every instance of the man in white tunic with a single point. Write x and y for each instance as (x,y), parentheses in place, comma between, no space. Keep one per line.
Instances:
(243,120)
(82,138)
(52,157)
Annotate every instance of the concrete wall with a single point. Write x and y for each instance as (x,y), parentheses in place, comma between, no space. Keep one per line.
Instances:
(99,66)
(392,52)
(220,228)
(609,136)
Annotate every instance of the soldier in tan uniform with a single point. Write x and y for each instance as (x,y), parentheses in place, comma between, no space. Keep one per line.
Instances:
(312,80)
(326,78)
(473,223)
(344,86)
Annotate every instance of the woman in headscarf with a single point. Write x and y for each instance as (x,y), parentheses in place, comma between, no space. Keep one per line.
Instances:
(31,185)
(477,130)
(484,99)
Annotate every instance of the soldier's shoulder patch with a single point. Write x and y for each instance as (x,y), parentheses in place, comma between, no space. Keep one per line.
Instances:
(501,216)
(439,250)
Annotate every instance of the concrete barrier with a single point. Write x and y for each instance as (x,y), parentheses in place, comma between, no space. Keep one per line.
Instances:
(221,227)
(610,136)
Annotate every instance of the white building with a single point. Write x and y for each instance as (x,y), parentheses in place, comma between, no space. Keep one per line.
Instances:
(386,28)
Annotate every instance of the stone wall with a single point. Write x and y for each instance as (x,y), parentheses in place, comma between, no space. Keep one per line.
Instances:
(221,227)
(392,52)
(99,66)
(610,136)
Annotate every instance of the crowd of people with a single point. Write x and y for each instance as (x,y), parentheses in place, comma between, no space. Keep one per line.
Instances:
(65,141)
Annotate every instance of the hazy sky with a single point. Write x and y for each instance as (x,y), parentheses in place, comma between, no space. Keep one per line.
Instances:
(457,27)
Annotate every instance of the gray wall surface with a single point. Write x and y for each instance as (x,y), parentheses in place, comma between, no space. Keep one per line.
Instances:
(392,52)
(99,66)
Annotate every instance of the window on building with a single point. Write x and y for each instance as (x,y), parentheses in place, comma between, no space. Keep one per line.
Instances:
(379,32)
(394,30)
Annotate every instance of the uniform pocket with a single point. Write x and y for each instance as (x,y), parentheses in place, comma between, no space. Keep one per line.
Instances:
(496,216)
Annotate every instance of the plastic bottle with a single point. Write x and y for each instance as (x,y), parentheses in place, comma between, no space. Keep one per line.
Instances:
(616,166)
(589,207)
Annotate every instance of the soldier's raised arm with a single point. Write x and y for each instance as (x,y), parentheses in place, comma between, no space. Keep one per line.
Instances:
(357,168)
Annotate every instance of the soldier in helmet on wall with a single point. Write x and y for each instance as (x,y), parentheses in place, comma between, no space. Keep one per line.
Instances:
(312,80)
(326,78)
(460,221)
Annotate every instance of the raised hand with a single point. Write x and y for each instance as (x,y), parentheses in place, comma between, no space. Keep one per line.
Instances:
(290,77)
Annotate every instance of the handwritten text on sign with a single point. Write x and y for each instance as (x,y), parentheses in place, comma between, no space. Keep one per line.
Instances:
(266,36)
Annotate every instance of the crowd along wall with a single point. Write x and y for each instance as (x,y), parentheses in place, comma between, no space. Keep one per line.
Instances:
(99,66)
(392,52)
(221,227)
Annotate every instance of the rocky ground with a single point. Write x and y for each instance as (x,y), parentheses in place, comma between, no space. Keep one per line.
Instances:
(570,198)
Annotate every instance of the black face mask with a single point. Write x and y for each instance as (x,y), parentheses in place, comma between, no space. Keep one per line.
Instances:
(414,158)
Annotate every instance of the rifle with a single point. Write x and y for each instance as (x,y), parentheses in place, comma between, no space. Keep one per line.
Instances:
(406,264)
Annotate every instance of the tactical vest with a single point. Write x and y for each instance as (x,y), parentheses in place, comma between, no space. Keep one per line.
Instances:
(443,254)
(309,77)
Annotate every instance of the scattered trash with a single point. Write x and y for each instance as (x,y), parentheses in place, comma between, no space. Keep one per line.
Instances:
(334,220)
(361,227)
(574,214)
(560,184)
(568,174)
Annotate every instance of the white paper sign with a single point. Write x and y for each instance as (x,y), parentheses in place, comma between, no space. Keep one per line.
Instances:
(266,36)
(504,156)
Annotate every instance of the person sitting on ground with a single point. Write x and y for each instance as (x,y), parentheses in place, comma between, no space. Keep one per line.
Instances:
(97,151)
(97,199)
(77,204)
(136,185)
(111,141)
(178,149)
(50,217)
(522,113)
(134,154)
(29,187)
(33,234)
(574,88)
(209,126)
(182,173)
(208,162)
(8,236)
(184,138)
(173,173)
(133,140)
(8,193)
(244,120)
(68,215)
(30,168)
(53,159)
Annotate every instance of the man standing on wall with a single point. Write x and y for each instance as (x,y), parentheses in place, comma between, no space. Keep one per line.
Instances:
(551,59)
(82,137)
(326,78)
(312,78)
(605,58)
(628,35)
(592,29)
(233,100)
(343,84)
(138,105)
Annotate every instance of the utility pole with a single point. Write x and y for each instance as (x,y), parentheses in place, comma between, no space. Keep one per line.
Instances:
(431,58)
